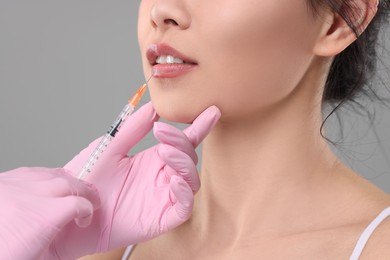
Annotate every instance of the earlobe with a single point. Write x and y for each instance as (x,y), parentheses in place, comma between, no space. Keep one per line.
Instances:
(336,34)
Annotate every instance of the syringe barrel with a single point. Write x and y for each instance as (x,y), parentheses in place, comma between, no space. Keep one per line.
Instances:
(106,140)
(92,159)
(128,109)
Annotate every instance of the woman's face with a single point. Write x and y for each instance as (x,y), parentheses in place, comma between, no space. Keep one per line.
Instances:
(250,54)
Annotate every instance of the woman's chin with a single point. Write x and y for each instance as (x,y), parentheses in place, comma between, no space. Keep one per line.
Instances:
(177,113)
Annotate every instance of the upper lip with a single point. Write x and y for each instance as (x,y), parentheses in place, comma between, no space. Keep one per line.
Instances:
(163,49)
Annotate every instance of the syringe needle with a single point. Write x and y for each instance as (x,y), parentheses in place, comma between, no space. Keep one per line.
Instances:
(138,95)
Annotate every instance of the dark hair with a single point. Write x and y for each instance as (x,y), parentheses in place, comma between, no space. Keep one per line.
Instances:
(353,68)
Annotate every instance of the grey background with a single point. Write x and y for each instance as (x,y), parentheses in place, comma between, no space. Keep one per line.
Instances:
(68,67)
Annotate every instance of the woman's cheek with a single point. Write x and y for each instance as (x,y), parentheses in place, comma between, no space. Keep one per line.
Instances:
(265,61)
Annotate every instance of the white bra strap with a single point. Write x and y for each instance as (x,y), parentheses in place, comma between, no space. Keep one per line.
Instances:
(127,252)
(367,233)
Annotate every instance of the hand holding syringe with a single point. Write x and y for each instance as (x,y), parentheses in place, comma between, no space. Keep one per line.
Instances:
(142,195)
(107,138)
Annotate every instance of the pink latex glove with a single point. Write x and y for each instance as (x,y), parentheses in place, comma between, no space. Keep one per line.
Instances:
(143,195)
(36,203)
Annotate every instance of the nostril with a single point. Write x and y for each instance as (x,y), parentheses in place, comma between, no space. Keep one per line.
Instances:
(170,21)
(153,23)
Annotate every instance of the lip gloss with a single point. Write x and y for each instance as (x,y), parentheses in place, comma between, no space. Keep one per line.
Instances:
(172,70)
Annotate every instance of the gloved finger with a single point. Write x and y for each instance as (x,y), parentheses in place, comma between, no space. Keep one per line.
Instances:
(133,130)
(170,135)
(60,183)
(50,182)
(59,187)
(182,209)
(78,161)
(182,164)
(84,189)
(73,208)
(28,174)
(202,125)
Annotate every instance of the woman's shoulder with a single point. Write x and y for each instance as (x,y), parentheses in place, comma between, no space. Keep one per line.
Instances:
(374,239)
(371,208)
(359,195)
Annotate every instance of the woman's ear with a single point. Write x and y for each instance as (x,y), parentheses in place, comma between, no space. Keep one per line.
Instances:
(336,34)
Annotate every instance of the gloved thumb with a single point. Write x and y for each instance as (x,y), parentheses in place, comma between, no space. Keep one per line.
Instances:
(192,136)
(202,125)
(133,130)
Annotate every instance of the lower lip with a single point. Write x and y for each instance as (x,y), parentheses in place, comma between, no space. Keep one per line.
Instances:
(172,70)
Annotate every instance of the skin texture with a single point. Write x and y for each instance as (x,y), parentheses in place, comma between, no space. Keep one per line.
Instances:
(270,186)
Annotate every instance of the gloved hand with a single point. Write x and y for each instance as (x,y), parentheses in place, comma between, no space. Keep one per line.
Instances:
(143,195)
(38,202)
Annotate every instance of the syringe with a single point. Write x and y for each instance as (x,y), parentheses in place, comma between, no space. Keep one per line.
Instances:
(106,140)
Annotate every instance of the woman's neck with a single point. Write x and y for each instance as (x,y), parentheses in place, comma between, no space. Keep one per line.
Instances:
(260,174)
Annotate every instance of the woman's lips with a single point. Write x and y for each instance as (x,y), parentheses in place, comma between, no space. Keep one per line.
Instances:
(169,70)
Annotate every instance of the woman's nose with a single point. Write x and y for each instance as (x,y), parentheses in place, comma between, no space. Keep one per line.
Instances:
(167,14)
